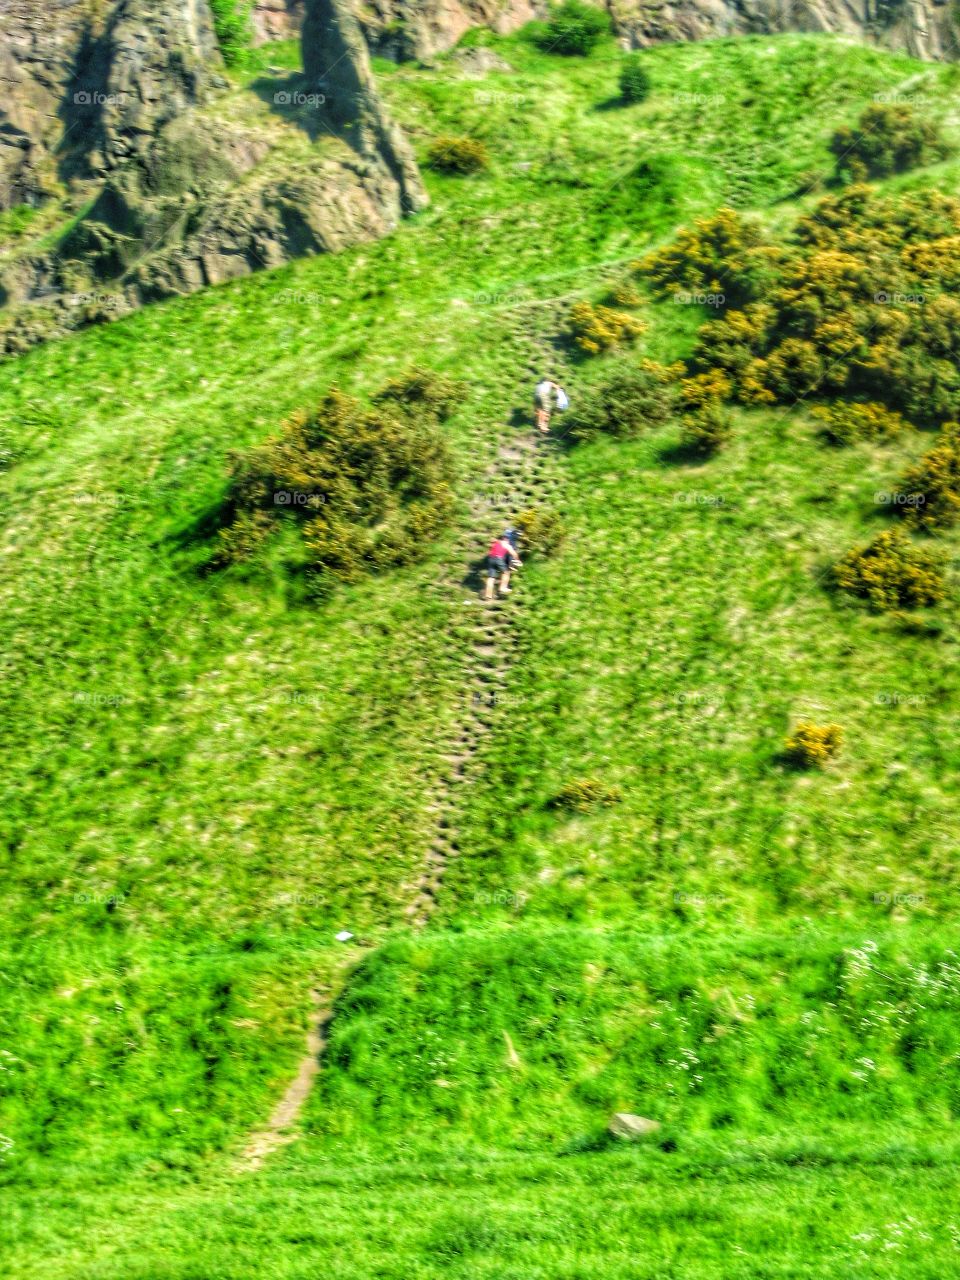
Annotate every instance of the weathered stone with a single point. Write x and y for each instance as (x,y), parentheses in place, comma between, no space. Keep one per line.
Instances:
(336,62)
(403,30)
(479,62)
(276,20)
(120,98)
(924,28)
(630,1128)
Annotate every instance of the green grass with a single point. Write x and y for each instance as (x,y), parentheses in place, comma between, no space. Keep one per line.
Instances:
(206,776)
(721,1211)
(529,1037)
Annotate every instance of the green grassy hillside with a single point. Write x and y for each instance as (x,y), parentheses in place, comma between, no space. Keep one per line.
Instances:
(207,775)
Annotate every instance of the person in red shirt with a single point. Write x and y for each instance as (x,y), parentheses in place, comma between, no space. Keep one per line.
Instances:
(501,559)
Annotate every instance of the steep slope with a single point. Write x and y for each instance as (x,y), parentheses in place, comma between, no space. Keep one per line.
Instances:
(209,776)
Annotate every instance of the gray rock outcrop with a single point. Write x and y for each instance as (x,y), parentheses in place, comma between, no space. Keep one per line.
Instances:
(276,20)
(405,30)
(114,111)
(337,64)
(923,28)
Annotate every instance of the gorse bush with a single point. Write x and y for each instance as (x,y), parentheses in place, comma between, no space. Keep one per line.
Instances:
(706,430)
(599,328)
(722,255)
(812,745)
(932,485)
(704,389)
(573,29)
(231,22)
(458,155)
(634,78)
(630,400)
(584,794)
(367,487)
(623,294)
(541,532)
(847,423)
(892,573)
(887,139)
(810,316)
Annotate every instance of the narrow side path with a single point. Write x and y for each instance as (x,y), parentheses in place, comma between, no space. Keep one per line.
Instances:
(524,473)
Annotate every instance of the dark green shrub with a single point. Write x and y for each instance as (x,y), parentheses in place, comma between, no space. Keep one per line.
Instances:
(366,487)
(420,391)
(574,29)
(887,139)
(541,532)
(812,745)
(231,21)
(794,369)
(932,486)
(585,794)
(632,399)
(892,573)
(706,430)
(458,155)
(634,79)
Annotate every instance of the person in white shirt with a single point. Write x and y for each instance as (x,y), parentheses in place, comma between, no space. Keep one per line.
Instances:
(543,402)
(543,399)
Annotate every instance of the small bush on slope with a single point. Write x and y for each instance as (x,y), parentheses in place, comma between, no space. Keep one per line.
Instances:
(367,486)
(585,794)
(887,139)
(574,29)
(458,155)
(848,423)
(541,532)
(706,430)
(631,399)
(933,484)
(891,573)
(599,328)
(634,79)
(812,745)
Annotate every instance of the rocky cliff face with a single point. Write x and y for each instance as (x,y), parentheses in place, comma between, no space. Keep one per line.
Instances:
(924,28)
(337,64)
(418,29)
(401,29)
(118,109)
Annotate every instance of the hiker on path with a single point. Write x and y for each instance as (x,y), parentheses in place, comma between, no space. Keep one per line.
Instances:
(501,560)
(543,399)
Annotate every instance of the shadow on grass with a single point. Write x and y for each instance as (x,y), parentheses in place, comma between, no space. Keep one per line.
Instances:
(601,1140)
(476,575)
(682,455)
(616,103)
